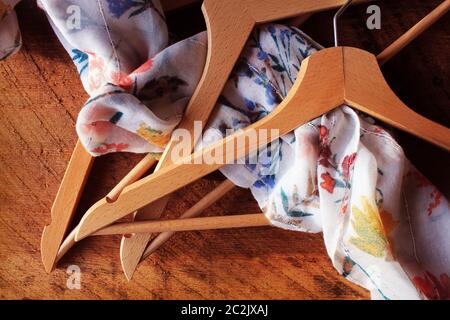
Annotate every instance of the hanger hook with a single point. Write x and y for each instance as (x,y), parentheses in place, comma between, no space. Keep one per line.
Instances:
(335,20)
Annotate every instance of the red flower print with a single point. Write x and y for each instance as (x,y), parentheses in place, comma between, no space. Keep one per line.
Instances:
(325,151)
(325,154)
(432,287)
(122,80)
(323,133)
(347,163)
(328,182)
(345,202)
(377,130)
(437,198)
(96,75)
(324,162)
(108,147)
(144,67)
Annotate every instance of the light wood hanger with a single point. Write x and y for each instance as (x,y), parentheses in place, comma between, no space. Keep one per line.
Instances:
(328,79)
(62,214)
(404,41)
(190,224)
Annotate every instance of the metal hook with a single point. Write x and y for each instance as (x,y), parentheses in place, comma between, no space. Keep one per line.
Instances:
(335,20)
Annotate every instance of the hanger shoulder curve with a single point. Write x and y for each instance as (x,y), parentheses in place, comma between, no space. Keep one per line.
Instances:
(366,89)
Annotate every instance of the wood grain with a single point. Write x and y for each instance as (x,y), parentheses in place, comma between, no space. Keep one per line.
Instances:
(40,95)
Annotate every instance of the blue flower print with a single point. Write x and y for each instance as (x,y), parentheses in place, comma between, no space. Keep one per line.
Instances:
(271,95)
(283,34)
(265,181)
(119,7)
(271,29)
(262,55)
(80,59)
(249,104)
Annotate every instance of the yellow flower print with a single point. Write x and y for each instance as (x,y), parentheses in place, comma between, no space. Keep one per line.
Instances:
(153,136)
(368,225)
(156,155)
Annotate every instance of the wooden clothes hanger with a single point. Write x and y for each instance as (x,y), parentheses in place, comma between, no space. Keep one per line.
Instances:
(327,79)
(169,227)
(199,107)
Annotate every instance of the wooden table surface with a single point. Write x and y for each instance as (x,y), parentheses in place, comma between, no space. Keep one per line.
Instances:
(40,95)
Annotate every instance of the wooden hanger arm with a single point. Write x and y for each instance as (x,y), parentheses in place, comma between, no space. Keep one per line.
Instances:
(372,95)
(414,32)
(135,174)
(191,224)
(65,204)
(409,121)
